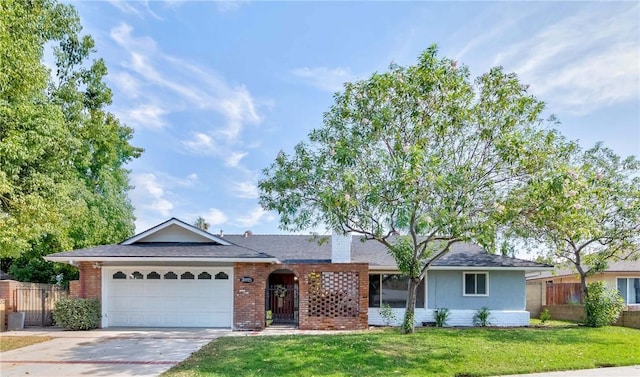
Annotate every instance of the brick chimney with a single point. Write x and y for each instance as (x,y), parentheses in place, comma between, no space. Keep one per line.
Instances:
(340,248)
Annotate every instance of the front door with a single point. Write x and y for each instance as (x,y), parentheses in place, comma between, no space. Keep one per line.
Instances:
(282,297)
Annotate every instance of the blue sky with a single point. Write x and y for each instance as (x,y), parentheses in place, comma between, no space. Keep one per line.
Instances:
(215,89)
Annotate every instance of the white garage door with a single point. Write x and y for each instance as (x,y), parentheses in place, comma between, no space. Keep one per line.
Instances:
(169,297)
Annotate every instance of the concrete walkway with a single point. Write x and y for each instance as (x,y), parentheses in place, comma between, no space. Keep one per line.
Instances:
(104,352)
(149,352)
(630,371)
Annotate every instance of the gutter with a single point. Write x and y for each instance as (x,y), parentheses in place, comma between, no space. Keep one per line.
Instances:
(72,260)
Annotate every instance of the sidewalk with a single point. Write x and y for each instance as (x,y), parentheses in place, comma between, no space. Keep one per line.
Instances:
(630,371)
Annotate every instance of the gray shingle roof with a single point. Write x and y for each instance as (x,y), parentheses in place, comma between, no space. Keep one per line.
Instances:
(613,267)
(295,249)
(165,249)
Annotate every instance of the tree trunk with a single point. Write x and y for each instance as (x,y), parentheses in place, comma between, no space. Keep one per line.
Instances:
(408,325)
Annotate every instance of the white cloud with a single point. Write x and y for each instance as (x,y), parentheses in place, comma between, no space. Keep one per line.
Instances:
(327,79)
(201,144)
(215,217)
(246,190)
(583,62)
(149,116)
(127,84)
(233,158)
(253,217)
(197,87)
(149,194)
(125,7)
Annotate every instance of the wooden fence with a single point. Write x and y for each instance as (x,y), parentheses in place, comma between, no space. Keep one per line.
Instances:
(35,300)
(563,293)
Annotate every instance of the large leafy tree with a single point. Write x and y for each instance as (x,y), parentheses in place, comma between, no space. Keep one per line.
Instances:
(63,183)
(423,152)
(584,212)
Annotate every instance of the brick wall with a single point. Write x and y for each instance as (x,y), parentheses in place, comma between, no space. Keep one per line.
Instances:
(576,313)
(90,283)
(629,319)
(249,298)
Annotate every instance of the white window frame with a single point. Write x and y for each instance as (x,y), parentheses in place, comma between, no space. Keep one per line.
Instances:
(626,299)
(464,280)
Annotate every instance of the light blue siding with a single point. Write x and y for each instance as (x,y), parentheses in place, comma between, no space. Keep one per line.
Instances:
(506,291)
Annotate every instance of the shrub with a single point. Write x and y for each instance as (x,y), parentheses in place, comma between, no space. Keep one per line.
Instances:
(602,305)
(442,315)
(77,313)
(268,318)
(387,314)
(545,316)
(481,318)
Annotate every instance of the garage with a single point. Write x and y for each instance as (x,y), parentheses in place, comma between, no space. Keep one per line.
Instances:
(168,296)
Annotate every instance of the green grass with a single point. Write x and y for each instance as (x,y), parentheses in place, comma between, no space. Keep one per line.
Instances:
(8,343)
(429,352)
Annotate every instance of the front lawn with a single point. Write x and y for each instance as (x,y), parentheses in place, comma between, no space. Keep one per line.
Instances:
(432,352)
(8,343)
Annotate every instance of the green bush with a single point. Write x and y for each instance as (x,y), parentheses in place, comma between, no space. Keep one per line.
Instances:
(387,314)
(602,305)
(545,316)
(77,313)
(442,315)
(482,317)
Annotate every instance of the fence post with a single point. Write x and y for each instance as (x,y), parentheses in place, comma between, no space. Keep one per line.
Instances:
(43,298)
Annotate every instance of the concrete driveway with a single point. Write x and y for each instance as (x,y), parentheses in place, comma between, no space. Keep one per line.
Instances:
(109,352)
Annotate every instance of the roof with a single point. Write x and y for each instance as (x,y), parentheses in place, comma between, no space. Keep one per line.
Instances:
(315,249)
(159,244)
(613,267)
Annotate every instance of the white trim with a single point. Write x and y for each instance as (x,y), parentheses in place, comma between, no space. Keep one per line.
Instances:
(179,223)
(104,299)
(464,285)
(74,259)
(457,317)
(467,268)
(471,268)
(626,299)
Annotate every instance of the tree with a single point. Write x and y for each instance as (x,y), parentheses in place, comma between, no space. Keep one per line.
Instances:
(585,211)
(421,152)
(201,223)
(63,184)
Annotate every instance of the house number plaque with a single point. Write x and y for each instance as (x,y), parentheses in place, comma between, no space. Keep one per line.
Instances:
(246,279)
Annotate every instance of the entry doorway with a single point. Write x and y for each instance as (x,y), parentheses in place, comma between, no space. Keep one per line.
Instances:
(282,297)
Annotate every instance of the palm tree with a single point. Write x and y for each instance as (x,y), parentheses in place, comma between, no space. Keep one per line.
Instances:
(201,223)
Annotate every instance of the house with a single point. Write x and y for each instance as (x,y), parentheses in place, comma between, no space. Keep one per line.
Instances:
(176,275)
(624,275)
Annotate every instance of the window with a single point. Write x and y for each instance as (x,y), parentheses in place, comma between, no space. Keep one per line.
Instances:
(119,275)
(222,276)
(136,275)
(187,276)
(391,289)
(204,276)
(475,283)
(153,275)
(170,275)
(629,289)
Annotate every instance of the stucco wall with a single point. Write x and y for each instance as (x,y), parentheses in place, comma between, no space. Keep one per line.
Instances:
(506,291)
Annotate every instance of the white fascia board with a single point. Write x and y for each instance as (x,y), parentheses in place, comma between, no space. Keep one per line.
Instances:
(479,268)
(179,223)
(394,269)
(158,259)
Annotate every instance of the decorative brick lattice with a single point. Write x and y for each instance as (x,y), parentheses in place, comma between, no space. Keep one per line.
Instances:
(333,294)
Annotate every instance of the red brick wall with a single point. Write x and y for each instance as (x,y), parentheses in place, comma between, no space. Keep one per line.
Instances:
(249,298)
(90,284)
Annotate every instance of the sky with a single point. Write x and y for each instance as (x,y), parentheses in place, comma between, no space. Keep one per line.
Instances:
(214,90)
